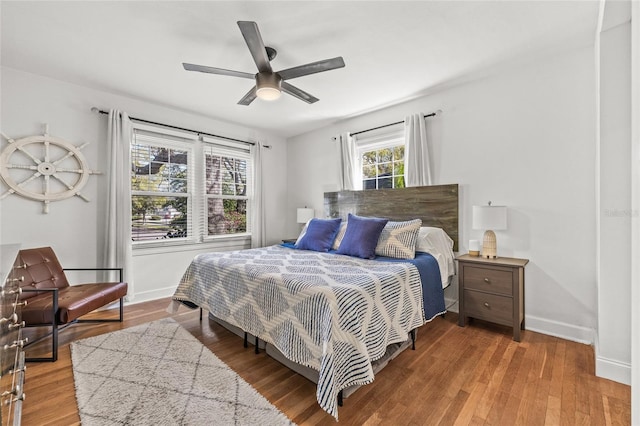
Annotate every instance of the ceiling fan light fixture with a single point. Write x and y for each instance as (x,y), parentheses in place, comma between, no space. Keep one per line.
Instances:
(269,83)
(268,93)
(268,86)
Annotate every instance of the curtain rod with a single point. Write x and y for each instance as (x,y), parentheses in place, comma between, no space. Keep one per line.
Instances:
(99,111)
(391,124)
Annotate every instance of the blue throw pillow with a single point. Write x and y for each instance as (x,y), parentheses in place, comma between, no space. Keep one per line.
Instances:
(320,235)
(361,237)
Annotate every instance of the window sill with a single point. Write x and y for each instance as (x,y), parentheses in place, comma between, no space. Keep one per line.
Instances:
(220,243)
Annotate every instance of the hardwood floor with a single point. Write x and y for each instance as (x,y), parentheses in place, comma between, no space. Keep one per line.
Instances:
(463,376)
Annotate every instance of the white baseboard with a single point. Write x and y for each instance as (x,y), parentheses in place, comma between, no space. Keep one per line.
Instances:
(546,326)
(146,296)
(611,369)
(606,368)
(560,329)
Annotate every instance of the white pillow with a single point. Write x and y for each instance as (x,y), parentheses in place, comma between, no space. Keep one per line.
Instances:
(437,243)
(398,239)
(304,231)
(339,236)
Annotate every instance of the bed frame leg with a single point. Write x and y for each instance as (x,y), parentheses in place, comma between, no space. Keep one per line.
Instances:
(413,339)
(200,314)
(340,400)
(246,343)
(257,348)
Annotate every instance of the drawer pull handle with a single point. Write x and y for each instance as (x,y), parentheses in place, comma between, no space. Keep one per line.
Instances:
(14,391)
(13,318)
(16,325)
(4,293)
(20,396)
(486,305)
(16,344)
(487,280)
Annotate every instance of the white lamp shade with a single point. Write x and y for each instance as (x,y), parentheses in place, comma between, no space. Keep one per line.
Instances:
(490,217)
(305,215)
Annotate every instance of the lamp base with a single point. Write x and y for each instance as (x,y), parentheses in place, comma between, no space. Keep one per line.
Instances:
(489,245)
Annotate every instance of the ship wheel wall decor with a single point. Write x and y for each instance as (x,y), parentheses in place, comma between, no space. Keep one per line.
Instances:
(44,168)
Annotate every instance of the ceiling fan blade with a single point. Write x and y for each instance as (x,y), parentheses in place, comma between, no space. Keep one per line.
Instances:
(298,93)
(256,46)
(249,97)
(312,68)
(212,70)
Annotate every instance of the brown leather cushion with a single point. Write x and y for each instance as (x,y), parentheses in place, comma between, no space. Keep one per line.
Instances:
(73,302)
(41,270)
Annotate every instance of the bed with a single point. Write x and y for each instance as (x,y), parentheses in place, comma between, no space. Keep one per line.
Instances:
(331,313)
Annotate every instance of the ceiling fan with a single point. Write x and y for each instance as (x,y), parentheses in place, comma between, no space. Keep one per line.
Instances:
(269,84)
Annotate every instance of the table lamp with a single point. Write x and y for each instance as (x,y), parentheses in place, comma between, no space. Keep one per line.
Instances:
(305,214)
(489,218)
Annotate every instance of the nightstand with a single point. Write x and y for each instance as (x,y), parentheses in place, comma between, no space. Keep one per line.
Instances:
(492,290)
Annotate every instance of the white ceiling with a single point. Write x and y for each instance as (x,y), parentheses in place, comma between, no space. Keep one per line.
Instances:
(393,50)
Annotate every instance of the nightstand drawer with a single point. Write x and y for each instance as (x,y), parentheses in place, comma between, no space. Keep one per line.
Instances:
(491,280)
(488,307)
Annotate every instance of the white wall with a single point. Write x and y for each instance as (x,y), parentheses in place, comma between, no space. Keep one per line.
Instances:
(635,225)
(613,168)
(73,227)
(524,137)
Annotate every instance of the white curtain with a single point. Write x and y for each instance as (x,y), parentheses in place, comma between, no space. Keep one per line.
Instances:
(349,173)
(258,222)
(117,218)
(416,156)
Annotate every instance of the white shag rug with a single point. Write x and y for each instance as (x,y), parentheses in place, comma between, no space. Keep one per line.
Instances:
(159,374)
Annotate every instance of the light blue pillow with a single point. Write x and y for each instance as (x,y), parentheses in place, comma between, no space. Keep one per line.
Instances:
(361,237)
(320,235)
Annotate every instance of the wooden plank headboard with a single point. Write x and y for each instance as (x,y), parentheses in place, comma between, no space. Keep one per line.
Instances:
(436,205)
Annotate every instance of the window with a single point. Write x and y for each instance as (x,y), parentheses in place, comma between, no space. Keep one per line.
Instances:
(226,176)
(382,161)
(187,189)
(160,187)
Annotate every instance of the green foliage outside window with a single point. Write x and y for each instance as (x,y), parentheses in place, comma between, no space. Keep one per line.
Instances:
(226,184)
(383,168)
(162,171)
(161,196)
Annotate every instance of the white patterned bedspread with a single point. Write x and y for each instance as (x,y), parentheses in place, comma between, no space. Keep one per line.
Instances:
(330,312)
